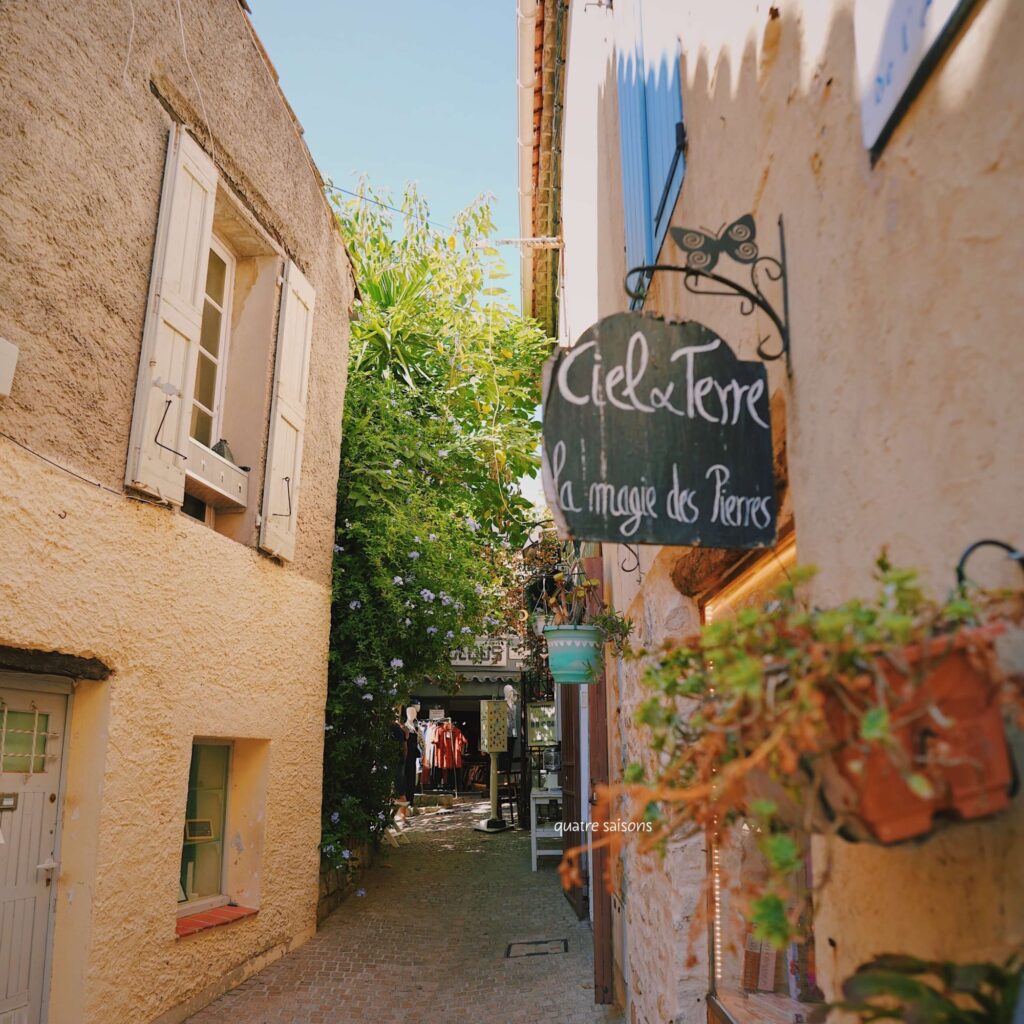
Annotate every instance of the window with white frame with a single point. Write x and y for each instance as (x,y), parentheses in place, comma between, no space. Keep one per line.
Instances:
(202,422)
(211,361)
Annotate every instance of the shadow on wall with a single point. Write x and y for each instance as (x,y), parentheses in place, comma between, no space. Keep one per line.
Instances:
(887,266)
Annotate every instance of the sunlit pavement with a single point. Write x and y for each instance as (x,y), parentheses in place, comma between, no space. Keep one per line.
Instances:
(428,941)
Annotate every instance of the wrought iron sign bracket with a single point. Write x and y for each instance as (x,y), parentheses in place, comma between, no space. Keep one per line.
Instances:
(702,251)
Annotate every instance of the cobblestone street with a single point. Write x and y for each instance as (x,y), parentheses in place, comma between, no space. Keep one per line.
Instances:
(428,942)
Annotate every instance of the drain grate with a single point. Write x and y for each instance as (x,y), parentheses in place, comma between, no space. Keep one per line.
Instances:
(542,947)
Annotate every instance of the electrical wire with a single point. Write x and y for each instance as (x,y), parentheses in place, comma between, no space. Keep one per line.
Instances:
(385,206)
(57,465)
(131,38)
(199,89)
(78,476)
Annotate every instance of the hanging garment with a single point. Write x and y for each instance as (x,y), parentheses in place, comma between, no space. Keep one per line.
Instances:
(461,744)
(429,762)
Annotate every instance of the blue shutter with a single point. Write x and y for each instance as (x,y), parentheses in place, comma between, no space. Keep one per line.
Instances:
(651,135)
(665,162)
(633,147)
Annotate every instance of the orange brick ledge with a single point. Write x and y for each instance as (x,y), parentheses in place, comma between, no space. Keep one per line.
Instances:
(211,919)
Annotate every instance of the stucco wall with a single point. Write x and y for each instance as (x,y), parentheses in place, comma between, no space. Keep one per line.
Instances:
(83,140)
(205,636)
(902,411)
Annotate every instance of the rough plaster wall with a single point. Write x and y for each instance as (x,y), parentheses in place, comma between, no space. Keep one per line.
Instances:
(663,896)
(205,638)
(82,147)
(903,397)
(903,412)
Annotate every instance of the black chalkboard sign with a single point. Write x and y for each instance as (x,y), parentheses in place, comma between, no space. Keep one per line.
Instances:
(655,433)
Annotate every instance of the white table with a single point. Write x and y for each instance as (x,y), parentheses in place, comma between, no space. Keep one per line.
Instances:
(542,796)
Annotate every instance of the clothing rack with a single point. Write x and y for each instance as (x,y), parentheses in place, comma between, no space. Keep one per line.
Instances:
(457,754)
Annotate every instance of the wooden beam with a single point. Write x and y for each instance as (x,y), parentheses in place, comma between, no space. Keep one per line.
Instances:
(51,663)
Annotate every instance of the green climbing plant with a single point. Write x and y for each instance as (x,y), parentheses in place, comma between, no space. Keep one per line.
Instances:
(439,428)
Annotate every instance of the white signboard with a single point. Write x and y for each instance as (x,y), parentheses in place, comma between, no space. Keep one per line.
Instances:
(898,41)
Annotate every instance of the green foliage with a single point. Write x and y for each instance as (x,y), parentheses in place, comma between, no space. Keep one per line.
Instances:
(432,317)
(903,988)
(764,692)
(439,427)
(769,921)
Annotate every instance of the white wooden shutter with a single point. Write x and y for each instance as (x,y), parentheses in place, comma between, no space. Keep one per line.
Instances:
(170,340)
(287,416)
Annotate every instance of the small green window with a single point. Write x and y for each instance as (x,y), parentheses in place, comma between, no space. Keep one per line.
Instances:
(23,741)
(202,851)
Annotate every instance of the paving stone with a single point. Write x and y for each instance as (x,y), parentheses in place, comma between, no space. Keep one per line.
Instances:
(428,942)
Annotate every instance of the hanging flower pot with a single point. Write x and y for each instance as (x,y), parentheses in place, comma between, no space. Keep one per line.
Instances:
(880,719)
(540,622)
(946,729)
(574,653)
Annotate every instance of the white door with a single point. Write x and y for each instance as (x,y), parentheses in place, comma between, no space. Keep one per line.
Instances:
(31,738)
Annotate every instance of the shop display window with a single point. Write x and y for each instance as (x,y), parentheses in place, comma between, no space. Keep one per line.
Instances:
(752,981)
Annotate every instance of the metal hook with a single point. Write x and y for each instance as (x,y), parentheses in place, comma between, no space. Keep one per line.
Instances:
(961,566)
(156,439)
(288,487)
(635,552)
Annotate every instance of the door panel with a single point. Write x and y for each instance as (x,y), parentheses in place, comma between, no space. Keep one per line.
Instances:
(31,738)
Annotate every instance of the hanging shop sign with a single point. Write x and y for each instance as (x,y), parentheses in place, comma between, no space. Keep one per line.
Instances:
(656,433)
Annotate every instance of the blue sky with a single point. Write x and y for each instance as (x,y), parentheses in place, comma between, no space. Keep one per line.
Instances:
(405,90)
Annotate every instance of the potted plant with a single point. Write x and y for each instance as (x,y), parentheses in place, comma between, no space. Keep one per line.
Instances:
(874,719)
(579,625)
(903,988)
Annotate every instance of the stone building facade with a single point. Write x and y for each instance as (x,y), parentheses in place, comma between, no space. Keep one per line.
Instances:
(174,301)
(896,417)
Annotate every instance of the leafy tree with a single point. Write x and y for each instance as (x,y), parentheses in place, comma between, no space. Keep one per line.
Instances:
(439,426)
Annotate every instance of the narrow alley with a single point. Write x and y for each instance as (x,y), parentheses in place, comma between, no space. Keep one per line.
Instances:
(430,938)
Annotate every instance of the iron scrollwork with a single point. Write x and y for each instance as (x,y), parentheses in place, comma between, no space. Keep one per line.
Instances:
(737,241)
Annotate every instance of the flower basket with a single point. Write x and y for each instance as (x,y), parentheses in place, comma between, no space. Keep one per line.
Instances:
(946,723)
(574,653)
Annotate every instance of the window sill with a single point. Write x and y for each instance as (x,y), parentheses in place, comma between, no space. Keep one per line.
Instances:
(759,1008)
(192,923)
(211,478)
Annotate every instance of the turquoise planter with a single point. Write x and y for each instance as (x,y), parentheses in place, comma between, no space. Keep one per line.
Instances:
(574,653)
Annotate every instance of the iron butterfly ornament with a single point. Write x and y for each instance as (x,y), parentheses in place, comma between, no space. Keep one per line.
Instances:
(702,249)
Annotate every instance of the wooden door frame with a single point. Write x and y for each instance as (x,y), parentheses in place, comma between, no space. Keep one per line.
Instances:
(56,686)
(572,811)
(601,897)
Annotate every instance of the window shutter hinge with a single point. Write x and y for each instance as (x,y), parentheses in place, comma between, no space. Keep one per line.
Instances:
(681,139)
